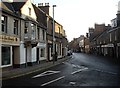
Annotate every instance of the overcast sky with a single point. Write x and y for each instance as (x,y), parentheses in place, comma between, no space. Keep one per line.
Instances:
(77,16)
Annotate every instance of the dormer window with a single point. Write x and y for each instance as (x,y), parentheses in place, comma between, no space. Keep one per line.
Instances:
(29,11)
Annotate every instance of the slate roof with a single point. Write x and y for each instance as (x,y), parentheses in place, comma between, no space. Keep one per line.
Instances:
(18,5)
(41,17)
(9,6)
(14,6)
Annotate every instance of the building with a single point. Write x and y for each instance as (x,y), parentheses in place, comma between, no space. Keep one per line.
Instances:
(26,35)
(77,44)
(41,49)
(60,35)
(9,36)
(23,34)
(93,35)
(107,42)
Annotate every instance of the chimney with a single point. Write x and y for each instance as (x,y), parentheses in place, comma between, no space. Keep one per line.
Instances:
(46,4)
(45,7)
(40,4)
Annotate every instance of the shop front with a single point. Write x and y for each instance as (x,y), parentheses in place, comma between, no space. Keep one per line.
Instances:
(9,51)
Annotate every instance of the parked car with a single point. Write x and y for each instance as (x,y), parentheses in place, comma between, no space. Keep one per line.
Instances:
(69,53)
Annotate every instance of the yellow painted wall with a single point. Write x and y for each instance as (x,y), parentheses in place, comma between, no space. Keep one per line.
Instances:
(57,26)
(25,10)
(62,31)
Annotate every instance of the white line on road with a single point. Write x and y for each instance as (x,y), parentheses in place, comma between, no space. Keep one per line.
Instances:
(106,71)
(79,70)
(46,73)
(53,81)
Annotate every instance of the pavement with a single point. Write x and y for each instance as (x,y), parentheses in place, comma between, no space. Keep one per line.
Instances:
(16,72)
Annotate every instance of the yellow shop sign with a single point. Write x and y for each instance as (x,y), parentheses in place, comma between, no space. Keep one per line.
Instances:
(6,38)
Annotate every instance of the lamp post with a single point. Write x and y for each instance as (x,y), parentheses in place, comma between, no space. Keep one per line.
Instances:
(53,36)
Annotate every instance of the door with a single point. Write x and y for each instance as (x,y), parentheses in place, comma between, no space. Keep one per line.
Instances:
(38,55)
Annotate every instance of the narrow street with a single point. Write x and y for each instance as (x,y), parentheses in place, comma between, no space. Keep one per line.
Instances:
(81,70)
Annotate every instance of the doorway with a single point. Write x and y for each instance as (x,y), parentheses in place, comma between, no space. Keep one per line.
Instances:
(38,53)
(15,56)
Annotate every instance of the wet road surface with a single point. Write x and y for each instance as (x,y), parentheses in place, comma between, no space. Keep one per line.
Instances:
(81,70)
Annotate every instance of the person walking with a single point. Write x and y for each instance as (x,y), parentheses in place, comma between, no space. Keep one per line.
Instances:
(56,55)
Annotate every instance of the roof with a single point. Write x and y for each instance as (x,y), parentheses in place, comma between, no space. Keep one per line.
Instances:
(9,6)
(41,17)
(14,6)
(18,5)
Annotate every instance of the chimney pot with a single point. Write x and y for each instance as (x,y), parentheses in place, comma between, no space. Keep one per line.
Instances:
(40,4)
(46,4)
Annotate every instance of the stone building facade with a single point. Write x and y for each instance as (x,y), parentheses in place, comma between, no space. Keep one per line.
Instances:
(26,35)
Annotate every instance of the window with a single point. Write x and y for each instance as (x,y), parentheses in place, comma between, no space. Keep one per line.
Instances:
(33,30)
(110,37)
(115,35)
(29,11)
(60,49)
(4,23)
(15,27)
(42,52)
(114,23)
(5,55)
(59,29)
(38,32)
(26,28)
(43,33)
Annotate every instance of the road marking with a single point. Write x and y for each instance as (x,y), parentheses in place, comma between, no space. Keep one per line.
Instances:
(53,81)
(74,65)
(72,83)
(79,70)
(106,71)
(46,73)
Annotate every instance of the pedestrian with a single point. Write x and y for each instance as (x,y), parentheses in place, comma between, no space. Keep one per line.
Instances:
(56,55)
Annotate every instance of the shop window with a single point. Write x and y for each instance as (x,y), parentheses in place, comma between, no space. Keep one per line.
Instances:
(5,55)
(15,27)
(4,23)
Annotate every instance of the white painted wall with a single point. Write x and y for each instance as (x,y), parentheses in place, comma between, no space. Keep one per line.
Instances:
(0,41)
(41,46)
(25,10)
(119,6)
(29,53)
(22,53)
(0,55)
(50,54)
(34,58)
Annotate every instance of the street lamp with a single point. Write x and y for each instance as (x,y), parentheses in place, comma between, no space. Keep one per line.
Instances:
(53,36)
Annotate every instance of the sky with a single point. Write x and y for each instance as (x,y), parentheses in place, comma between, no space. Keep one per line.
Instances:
(77,16)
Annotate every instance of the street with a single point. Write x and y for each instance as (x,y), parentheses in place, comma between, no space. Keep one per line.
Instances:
(80,70)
